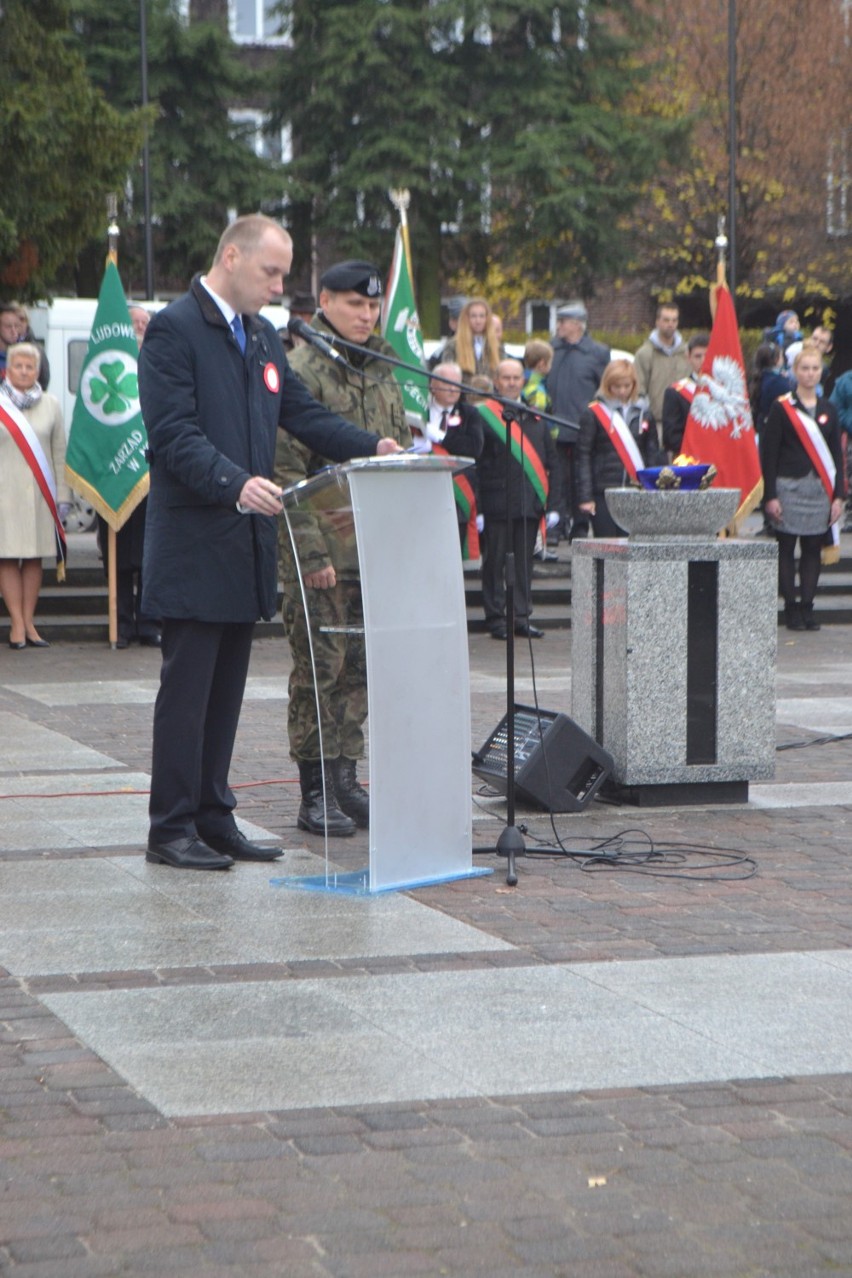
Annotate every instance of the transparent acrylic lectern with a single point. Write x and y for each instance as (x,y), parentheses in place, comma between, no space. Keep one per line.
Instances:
(397,612)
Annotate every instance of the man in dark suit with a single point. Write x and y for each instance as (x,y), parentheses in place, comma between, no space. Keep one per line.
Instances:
(215,387)
(510,519)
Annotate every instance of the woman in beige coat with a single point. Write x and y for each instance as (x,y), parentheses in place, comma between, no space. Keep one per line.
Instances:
(27,529)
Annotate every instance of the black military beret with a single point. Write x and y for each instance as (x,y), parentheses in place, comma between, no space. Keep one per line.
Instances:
(353,277)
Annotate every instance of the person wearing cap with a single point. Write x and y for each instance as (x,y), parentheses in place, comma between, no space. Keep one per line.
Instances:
(216,390)
(662,359)
(364,390)
(302,306)
(573,381)
(785,332)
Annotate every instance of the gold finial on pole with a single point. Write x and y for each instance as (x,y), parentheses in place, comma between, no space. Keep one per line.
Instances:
(112,230)
(400,198)
(721,246)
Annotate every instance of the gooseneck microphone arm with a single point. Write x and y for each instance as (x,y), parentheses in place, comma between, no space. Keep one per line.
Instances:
(329,348)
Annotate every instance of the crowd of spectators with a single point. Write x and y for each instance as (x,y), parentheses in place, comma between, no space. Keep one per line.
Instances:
(606,418)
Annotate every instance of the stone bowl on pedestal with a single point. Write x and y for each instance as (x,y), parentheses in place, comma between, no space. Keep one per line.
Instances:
(672,514)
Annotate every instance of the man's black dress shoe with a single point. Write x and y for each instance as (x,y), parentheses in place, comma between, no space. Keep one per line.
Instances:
(237,846)
(189,853)
(528,631)
(499,632)
(150,641)
(37,643)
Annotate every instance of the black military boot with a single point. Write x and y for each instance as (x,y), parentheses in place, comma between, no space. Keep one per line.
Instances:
(352,797)
(311,815)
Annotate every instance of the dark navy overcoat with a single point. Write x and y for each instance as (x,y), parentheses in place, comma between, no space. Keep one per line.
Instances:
(212,417)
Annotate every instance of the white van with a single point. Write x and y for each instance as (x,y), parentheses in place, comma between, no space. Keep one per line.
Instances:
(63,327)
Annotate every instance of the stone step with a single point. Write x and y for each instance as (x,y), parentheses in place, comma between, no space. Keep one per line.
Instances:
(77,610)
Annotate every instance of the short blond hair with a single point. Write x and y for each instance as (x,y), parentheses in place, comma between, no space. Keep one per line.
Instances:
(247,232)
(615,369)
(807,347)
(536,351)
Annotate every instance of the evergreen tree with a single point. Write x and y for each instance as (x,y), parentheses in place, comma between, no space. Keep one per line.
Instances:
(62,148)
(201,162)
(511,123)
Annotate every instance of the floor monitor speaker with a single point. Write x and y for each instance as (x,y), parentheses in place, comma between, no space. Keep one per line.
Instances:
(557,765)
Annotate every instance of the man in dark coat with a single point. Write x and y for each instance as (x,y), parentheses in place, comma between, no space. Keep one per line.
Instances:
(511,524)
(215,387)
(572,383)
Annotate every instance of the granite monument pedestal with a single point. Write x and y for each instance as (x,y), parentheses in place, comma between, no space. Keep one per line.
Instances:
(674,650)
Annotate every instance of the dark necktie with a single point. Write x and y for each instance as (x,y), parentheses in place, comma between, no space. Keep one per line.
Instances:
(239,333)
(444,422)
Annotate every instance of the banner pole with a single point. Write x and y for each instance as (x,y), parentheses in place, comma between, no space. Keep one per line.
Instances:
(112,585)
(112,579)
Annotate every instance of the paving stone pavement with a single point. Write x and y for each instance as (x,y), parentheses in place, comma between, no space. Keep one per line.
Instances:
(145,1014)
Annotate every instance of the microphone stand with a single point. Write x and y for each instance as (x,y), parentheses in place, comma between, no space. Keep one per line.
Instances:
(334,341)
(510,843)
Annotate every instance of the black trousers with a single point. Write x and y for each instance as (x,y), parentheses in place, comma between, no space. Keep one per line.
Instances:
(602,520)
(202,681)
(498,538)
(133,622)
(569,498)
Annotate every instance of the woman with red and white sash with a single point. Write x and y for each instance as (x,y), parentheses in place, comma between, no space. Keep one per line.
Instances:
(802,483)
(618,436)
(33,493)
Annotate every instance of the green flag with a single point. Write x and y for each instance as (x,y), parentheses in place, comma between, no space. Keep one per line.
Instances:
(105,460)
(401,328)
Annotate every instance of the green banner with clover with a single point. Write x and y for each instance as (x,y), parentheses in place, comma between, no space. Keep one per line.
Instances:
(105,460)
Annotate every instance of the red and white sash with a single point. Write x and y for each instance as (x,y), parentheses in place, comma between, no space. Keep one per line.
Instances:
(620,438)
(687,388)
(813,442)
(33,454)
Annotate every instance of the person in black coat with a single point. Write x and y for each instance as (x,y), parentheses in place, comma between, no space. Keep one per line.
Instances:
(677,398)
(215,387)
(600,463)
(510,523)
(795,490)
(574,377)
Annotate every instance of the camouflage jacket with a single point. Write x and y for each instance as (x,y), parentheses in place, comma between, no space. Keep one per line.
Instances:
(365,393)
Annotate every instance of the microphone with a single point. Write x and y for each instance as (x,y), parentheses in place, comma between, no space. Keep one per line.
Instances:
(300,329)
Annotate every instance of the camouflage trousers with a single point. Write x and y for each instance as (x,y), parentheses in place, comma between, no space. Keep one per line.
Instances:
(341,670)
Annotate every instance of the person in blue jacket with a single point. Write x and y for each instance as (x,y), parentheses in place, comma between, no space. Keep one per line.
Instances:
(215,387)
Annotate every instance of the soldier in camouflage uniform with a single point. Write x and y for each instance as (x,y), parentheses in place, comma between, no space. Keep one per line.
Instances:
(365,391)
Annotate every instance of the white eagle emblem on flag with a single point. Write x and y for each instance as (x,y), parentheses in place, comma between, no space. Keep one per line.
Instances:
(721,398)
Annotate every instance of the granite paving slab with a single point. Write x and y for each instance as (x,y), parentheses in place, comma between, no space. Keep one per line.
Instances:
(210,1049)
